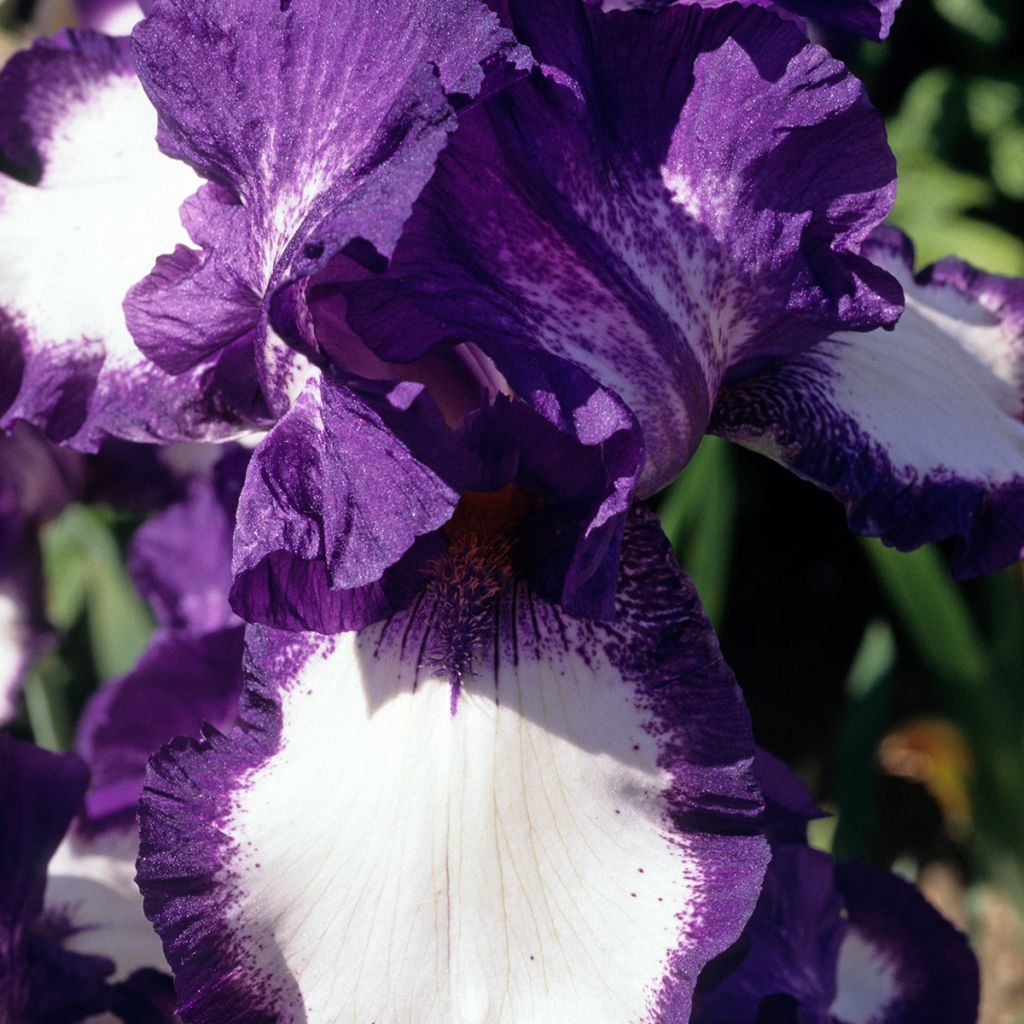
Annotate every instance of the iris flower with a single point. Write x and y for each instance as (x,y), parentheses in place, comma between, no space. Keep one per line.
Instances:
(485,277)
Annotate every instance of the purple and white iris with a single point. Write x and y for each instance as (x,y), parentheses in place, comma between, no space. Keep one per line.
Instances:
(472,279)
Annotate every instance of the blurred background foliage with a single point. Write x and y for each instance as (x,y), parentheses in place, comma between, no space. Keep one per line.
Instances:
(897,693)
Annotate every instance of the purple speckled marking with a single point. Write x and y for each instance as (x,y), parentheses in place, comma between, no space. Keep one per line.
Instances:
(661,642)
(791,406)
(659,243)
(184,857)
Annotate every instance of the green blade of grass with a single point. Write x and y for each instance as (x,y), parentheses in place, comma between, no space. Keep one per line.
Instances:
(933,611)
(85,573)
(698,514)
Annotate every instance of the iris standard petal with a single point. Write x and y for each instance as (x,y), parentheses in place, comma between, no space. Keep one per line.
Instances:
(319,122)
(919,431)
(663,199)
(569,839)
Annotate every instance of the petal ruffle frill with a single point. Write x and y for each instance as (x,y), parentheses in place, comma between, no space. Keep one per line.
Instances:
(565,835)
(86,202)
(919,431)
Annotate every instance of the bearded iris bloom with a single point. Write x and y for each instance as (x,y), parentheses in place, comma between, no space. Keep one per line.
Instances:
(484,277)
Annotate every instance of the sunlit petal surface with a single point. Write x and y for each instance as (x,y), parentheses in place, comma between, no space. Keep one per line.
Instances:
(919,431)
(564,835)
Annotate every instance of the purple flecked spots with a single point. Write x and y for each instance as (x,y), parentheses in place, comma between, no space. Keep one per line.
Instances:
(636,726)
(663,240)
(304,159)
(918,431)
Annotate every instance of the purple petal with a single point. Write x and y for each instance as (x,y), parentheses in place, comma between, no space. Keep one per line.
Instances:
(901,960)
(787,957)
(111,17)
(180,682)
(835,944)
(789,805)
(305,158)
(571,840)
(39,794)
(180,560)
(663,201)
(333,497)
(86,205)
(39,978)
(91,888)
(870,18)
(918,431)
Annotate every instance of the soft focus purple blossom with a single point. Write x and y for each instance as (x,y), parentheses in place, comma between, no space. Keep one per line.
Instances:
(835,943)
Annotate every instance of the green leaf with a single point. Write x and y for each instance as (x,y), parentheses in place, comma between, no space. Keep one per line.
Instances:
(1008,160)
(868,715)
(975,18)
(85,574)
(933,611)
(916,128)
(46,703)
(698,514)
(992,103)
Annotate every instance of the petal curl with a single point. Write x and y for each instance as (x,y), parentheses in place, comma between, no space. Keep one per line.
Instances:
(334,497)
(571,841)
(318,122)
(661,201)
(918,431)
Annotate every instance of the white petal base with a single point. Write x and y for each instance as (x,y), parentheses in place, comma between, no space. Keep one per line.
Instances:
(489,865)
